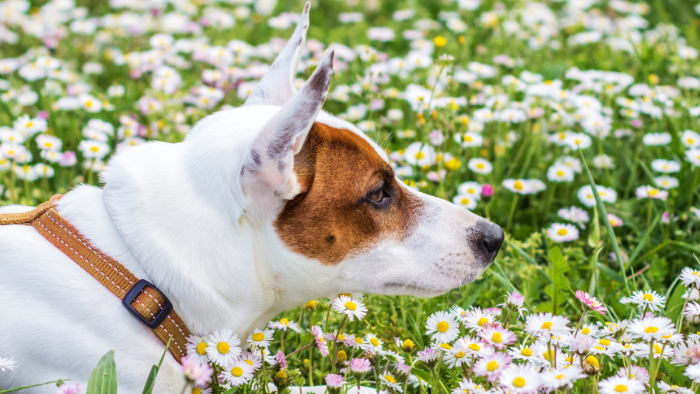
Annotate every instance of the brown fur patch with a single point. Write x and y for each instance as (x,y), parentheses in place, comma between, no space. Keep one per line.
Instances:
(333,216)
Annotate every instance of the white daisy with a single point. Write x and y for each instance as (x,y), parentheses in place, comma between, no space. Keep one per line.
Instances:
(651,328)
(546,324)
(443,327)
(665,166)
(649,299)
(260,338)
(222,347)
(520,379)
(480,166)
(237,373)
(197,348)
(351,308)
(559,232)
(620,385)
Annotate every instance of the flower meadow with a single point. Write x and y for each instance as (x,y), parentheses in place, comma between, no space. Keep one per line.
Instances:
(573,124)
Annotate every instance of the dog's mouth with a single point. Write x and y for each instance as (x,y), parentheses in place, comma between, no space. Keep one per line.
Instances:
(428,288)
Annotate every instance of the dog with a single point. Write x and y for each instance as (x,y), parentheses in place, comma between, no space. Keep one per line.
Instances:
(260,209)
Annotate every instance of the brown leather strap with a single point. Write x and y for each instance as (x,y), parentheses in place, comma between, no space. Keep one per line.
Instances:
(114,276)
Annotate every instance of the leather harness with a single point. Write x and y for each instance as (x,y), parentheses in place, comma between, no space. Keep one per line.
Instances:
(140,297)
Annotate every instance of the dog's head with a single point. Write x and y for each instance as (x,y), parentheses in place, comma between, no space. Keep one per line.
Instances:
(334,198)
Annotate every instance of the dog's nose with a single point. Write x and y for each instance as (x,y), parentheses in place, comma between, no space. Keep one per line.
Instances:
(490,239)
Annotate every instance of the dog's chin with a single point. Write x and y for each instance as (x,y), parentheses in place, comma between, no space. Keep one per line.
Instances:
(429,288)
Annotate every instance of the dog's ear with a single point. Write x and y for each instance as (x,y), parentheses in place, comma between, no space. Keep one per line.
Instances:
(277,86)
(269,170)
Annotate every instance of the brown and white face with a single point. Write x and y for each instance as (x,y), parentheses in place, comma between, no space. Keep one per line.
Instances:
(339,204)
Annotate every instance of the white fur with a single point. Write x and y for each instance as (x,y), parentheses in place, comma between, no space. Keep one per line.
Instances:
(181,216)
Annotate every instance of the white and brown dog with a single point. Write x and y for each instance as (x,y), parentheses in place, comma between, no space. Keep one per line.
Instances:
(260,209)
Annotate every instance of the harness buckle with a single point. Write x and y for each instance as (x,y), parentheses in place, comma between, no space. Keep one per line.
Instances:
(134,292)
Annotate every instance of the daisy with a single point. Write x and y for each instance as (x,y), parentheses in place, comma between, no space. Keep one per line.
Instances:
(238,373)
(650,299)
(560,173)
(574,214)
(467,386)
(222,347)
(651,192)
(692,309)
(665,166)
(591,302)
(472,189)
(635,372)
(334,383)
(666,182)
(480,166)
(615,221)
(650,328)
(351,308)
(420,154)
(491,366)
(563,377)
(656,139)
(372,343)
(197,348)
(251,359)
(475,319)
(465,200)
(68,388)
(589,329)
(546,324)
(690,277)
(284,324)
(672,388)
(693,372)
(585,195)
(690,139)
(473,347)
(497,336)
(620,385)
(320,341)
(520,186)
(196,372)
(443,327)
(360,365)
(520,379)
(693,156)
(559,232)
(455,358)
(389,381)
(260,338)
(522,353)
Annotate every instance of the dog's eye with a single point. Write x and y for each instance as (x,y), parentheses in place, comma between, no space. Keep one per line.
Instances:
(379,197)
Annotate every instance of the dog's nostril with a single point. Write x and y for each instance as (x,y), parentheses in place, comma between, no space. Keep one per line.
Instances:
(491,238)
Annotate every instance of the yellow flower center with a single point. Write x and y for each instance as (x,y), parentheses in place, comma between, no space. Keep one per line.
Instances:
(359,341)
(351,305)
(591,360)
(492,365)
(560,376)
(482,321)
(94,148)
(281,374)
(548,355)
(526,352)
(497,337)
(202,348)
(258,336)
(408,343)
(420,155)
(249,362)
(560,173)
(460,354)
(586,331)
(374,341)
(237,371)
(341,337)
(519,382)
(653,192)
(196,390)
(651,330)
(561,231)
(30,124)
(443,326)
(342,355)
(648,297)
(88,104)
(284,321)
(605,342)
(390,379)
(620,388)
(518,185)
(657,349)
(547,325)
(445,346)
(480,166)
(474,347)
(223,347)
(468,138)
(465,201)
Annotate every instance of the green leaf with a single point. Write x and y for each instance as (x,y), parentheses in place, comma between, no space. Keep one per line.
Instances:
(594,238)
(521,252)
(151,381)
(422,374)
(557,274)
(674,305)
(609,272)
(103,379)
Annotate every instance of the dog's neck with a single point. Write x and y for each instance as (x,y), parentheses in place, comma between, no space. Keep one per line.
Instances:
(195,240)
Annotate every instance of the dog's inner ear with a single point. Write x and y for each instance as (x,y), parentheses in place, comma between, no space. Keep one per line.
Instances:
(268,172)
